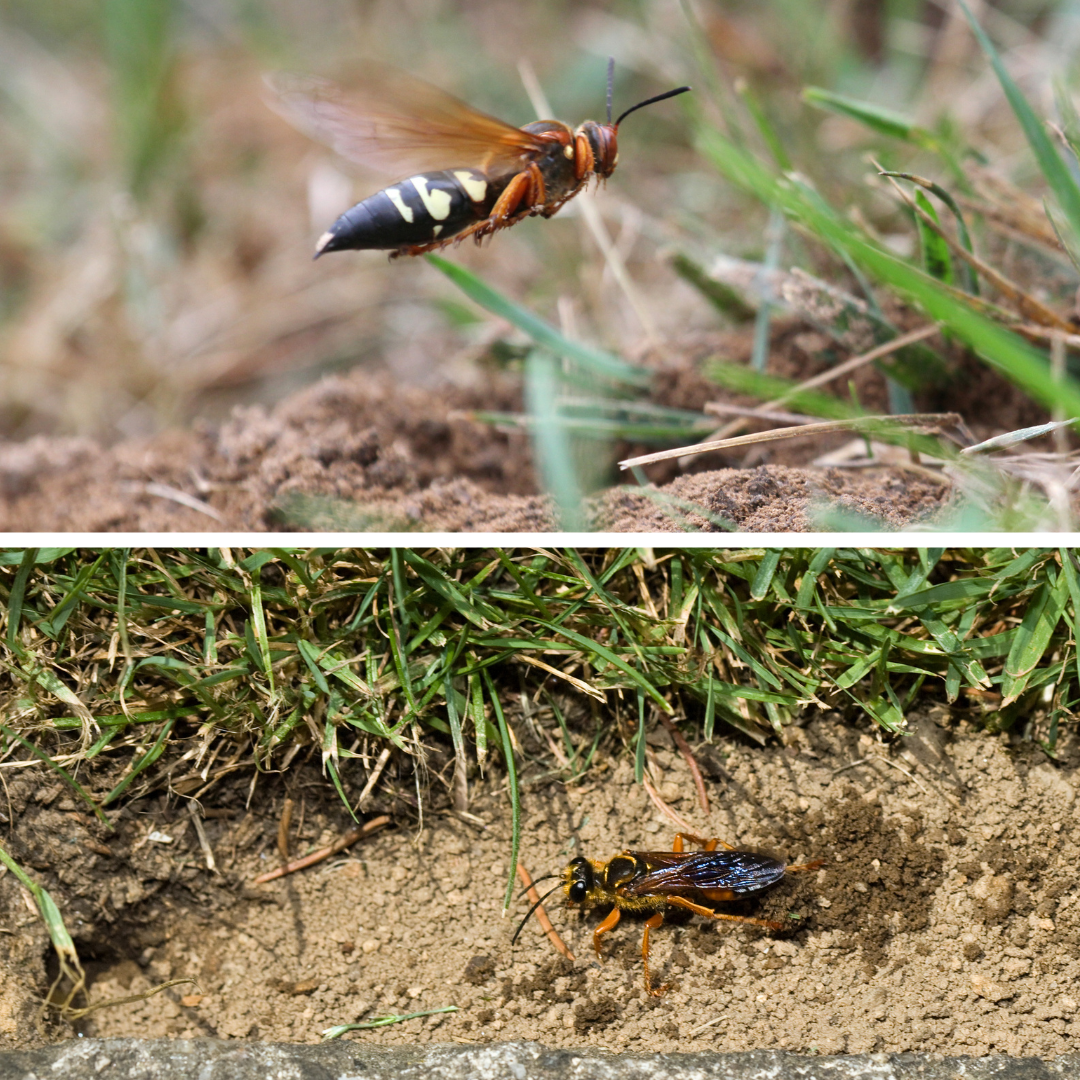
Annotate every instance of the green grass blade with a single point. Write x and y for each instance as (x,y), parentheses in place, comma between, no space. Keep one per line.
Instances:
(1054,170)
(382,1021)
(545,335)
(759,588)
(401,662)
(50,914)
(54,622)
(970,281)
(479,721)
(311,657)
(1072,577)
(809,585)
(766,129)
(878,118)
(60,771)
(454,718)
(140,39)
(329,757)
(51,682)
(639,741)
(17,596)
(1033,637)
(123,557)
(442,585)
(591,646)
(886,122)
(937,259)
(965,590)
(512,781)
(726,299)
(142,764)
(551,440)
(258,626)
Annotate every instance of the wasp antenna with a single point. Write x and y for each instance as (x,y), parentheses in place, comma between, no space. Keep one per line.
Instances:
(652,101)
(610,85)
(521,926)
(546,877)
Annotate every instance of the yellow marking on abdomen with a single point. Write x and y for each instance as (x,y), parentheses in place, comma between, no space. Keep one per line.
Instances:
(437,203)
(394,196)
(475,186)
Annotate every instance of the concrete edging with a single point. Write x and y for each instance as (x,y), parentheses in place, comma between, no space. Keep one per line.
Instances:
(217,1059)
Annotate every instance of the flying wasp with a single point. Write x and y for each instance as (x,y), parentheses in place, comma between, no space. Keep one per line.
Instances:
(654,881)
(502,174)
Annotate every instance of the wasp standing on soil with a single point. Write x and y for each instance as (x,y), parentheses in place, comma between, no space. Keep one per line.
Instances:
(501,174)
(644,881)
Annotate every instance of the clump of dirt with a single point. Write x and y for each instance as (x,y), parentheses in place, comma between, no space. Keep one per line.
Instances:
(944,919)
(595,1014)
(880,882)
(479,969)
(361,440)
(775,498)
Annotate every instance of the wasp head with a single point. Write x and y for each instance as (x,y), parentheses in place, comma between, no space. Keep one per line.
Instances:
(603,138)
(604,145)
(579,880)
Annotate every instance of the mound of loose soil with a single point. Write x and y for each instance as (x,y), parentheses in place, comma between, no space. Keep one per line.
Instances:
(361,452)
(945,919)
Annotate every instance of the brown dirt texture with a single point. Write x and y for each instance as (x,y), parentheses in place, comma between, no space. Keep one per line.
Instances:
(370,450)
(946,919)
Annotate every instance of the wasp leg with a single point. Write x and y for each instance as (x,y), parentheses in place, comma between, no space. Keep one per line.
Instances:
(608,924)
(584,159)
(518,200)
(524,195)
(422,249)
(805,868)
(553,208)
(708,845)
(697,909)
(652,924)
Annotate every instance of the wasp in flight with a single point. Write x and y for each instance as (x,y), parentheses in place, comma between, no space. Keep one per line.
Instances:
(501,174)
(655,881)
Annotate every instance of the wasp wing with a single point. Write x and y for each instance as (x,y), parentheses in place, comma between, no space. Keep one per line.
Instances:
(394,122)
(740,872)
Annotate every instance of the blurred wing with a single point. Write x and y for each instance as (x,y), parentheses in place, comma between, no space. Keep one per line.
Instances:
(737,871)
(394,122)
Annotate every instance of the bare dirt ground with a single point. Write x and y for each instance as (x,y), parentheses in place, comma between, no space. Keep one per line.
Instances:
(946,919)
(366,451)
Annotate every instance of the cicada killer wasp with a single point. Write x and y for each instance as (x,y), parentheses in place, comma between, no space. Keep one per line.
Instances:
(499,176)
(655,881)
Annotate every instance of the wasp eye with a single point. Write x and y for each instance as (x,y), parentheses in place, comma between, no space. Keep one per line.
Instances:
(577,892)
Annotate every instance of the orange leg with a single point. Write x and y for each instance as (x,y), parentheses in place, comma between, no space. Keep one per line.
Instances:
(524,195)
(526,190)
(652,924)
(697,909)
(608,924)
(553,208)
(518,199)
(584,160)
(708,845)
(805,868)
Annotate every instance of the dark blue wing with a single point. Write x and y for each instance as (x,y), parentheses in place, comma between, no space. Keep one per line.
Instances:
(740,872)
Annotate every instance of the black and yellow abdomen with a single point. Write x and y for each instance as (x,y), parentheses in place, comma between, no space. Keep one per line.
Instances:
(425,208)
